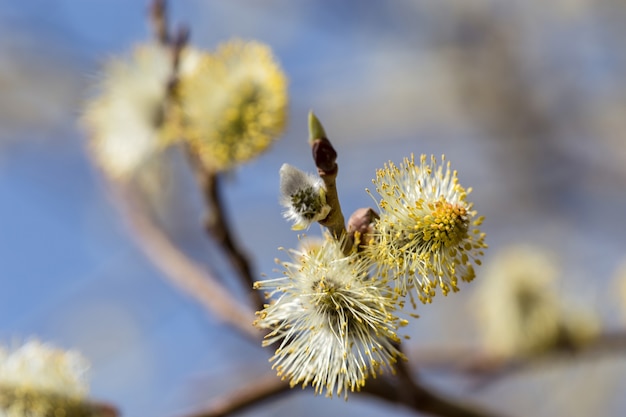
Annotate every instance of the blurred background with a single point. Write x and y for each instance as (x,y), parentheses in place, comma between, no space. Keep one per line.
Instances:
(526,98)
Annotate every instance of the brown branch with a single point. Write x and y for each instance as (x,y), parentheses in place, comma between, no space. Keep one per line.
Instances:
(158,20)
(100,409)
(488,367)
(421,400)
(335,221)
(217,226)
(400,389)
(406,390)
(182,271)
(259,390)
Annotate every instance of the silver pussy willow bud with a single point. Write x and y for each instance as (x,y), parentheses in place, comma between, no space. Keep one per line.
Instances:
(303,196)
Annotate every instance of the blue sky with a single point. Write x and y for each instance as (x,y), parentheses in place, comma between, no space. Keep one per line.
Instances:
(71,274)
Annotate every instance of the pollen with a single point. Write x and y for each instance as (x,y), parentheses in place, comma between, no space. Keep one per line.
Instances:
(447,225)
(427,236)
(233,107)
(335,325)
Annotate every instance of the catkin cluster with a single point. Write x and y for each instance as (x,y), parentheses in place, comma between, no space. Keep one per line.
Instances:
(228,106)
(333,312)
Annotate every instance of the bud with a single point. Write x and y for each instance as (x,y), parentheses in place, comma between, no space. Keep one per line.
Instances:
(304,197)
(324,154)
(316,130)
(361,225)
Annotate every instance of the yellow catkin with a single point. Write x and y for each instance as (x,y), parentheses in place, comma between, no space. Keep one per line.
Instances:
(428,235)
(335,325)
(234,106)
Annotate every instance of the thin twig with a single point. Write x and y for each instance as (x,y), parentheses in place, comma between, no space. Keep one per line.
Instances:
(158,20)
(416,397)
(405,389)
(335,222)
(400,389)
(489,367)
(259,390)
(218,227)
(99,409)
(217,224)
(182,271)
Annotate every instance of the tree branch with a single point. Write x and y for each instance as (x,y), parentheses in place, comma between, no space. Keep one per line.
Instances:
(182,271)
(217,226)
(260,390)
(399,389)
(488,367)
(403,389)
(406,390)
(158,20)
